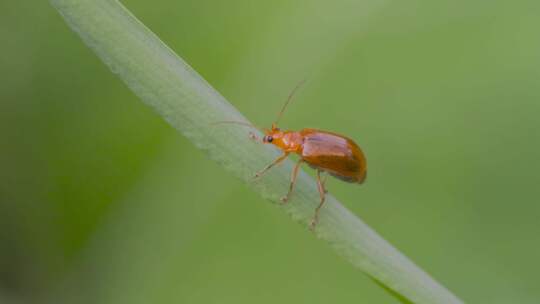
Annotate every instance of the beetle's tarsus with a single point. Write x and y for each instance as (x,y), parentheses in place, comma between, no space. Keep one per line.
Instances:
(313,223)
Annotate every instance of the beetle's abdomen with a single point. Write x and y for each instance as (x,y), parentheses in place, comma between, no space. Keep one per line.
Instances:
(335,154)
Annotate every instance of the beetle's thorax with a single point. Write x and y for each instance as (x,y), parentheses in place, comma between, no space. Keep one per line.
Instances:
(289,141)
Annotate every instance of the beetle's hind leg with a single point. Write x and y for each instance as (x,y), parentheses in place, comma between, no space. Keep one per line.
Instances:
(322,193)
(294,174)
(323,182)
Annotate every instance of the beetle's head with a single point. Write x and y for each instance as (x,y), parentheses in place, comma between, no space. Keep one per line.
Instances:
(273,136)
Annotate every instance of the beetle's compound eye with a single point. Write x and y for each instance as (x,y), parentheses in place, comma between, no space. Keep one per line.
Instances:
(268,138)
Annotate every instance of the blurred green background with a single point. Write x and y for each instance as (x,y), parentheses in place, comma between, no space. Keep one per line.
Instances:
(102,202)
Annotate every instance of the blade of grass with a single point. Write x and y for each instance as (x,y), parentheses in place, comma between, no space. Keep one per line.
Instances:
(184,99)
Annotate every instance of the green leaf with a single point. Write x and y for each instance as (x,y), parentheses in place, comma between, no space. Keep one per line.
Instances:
(187,102)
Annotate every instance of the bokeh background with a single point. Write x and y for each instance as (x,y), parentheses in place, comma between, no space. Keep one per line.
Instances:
(102,202)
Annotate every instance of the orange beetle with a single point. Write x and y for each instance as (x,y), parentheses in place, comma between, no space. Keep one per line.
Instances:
(324,151)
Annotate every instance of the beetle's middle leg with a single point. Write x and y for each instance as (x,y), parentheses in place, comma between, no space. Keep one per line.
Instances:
(275,162)
(322,193)
(294,174)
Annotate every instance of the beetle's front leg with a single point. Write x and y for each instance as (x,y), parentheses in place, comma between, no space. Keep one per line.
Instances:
(275,162)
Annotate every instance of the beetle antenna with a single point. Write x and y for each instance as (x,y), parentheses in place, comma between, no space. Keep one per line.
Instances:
(287,102)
